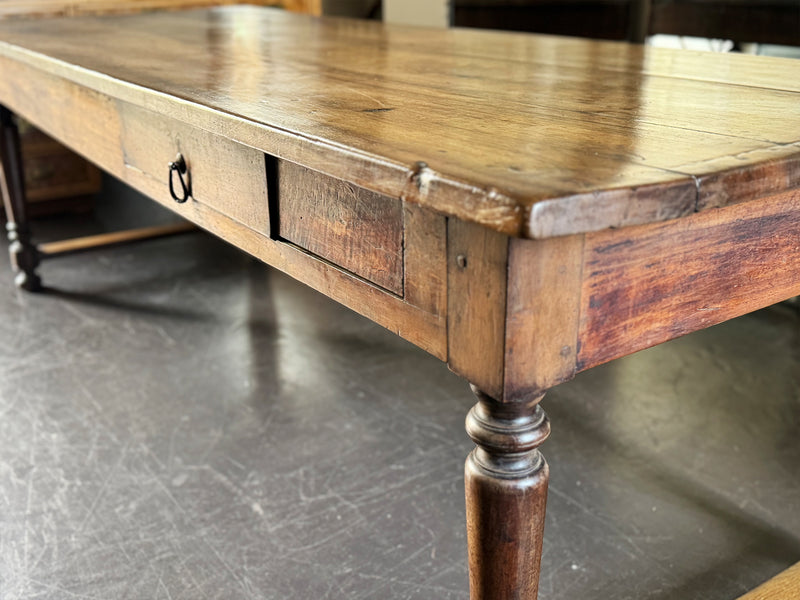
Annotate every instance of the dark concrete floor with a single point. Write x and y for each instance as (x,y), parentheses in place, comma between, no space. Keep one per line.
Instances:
(179,421)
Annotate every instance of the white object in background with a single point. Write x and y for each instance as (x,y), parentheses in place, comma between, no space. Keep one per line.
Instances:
(685,42)
(430,13)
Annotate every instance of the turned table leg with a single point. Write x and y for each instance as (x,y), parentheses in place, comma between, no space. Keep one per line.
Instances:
(24,258)
(506,488)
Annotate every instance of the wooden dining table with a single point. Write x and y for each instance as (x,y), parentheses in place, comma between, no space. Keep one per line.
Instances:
(522,207)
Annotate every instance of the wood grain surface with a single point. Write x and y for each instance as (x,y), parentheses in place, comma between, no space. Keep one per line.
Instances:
(477,260)
(653,283)
(533,136)
(69,8)
(227,176)
(101,134)
(505,479)
(542,314)
(352,227)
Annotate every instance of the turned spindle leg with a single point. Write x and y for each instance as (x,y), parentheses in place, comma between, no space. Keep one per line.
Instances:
(506,485)
(24,258)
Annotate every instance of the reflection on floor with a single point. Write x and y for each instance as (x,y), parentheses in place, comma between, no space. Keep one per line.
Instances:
(179,421)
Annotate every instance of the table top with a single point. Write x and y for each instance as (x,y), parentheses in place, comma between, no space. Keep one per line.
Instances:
(530,135)
(10,9)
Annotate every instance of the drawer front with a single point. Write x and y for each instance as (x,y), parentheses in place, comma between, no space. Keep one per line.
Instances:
(349,226)
(225,175)
(62,174)
(53,171)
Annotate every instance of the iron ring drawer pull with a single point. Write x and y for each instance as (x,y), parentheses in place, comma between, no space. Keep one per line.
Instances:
(179,166)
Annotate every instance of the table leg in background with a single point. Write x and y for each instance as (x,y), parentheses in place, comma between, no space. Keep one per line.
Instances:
(24,257)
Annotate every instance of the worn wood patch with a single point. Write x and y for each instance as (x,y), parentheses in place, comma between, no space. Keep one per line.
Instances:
(646,285)
(778,170)
(543,307)
(354,228)
(621,207)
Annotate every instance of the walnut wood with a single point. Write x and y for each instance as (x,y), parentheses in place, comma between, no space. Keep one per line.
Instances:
(95,134)
(415,324)
(477,260)
(513,310)
(24,258)
(105,240)
(506,490)
(583,136)
(53,172)
(728,183)
(425,247)
(99,135)
(61,174)
(479,139)
(784,586)
(71,8)
(311,7)
(352,227)
(648,284)
(542,314)
(227,176)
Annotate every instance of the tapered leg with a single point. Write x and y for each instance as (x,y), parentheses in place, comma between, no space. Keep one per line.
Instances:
(506,486)
(24,258)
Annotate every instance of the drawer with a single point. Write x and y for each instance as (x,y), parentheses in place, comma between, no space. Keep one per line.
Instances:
(349,226)
(225,175)
(62,174)
(52,171)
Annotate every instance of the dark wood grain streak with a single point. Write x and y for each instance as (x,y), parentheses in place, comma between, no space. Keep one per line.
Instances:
(646,285)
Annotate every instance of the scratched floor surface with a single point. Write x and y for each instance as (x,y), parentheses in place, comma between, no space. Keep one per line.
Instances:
(177,421)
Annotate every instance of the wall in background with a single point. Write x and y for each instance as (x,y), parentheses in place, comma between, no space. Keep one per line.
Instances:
(431,13)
